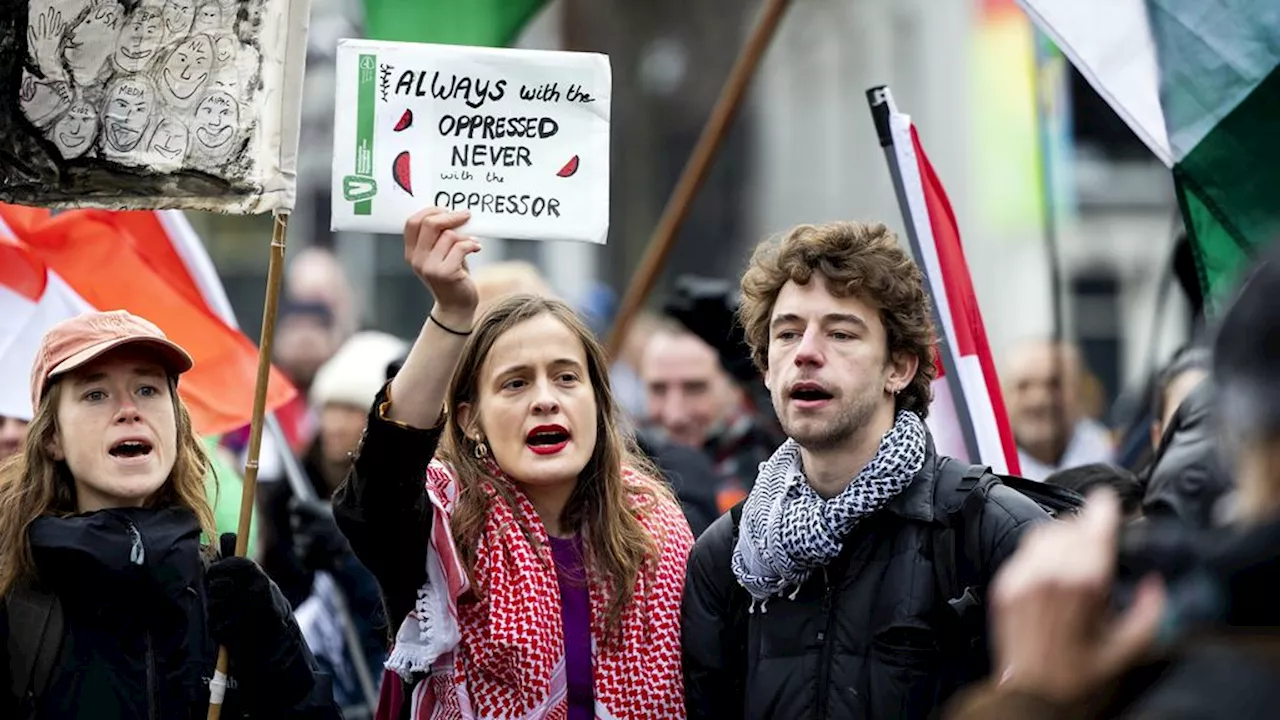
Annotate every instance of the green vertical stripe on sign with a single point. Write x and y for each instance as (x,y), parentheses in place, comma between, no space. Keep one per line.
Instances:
(365,98)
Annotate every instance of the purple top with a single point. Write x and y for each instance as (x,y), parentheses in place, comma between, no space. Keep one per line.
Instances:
(575,613)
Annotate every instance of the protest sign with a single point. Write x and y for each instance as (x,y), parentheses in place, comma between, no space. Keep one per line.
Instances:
(158,104)
(518,137)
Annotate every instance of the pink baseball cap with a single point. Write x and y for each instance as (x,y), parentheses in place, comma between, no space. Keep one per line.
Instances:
(81,339)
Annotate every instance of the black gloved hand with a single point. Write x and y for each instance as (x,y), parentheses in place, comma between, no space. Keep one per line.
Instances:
(317,541)
(251,617)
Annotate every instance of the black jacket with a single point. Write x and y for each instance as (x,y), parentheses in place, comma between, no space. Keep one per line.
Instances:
(1188,477)
(863,638)
(136,642)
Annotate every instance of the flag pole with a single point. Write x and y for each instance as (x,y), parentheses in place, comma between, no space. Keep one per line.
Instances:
(215,295)
(275,270)
(881,102)
(1041,66)
(695,171)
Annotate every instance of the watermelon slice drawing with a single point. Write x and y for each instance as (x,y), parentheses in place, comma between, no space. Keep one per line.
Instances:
(569,168)
(400,172)
(405,121)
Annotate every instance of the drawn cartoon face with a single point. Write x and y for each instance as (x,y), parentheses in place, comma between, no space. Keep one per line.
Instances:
(208,18)
(225,49)
(187,69)
(169,141)
(42,101)
(87,44)
(73,133)
(139,39)
(127,110)
(226,80)
(217,119)
(178,15)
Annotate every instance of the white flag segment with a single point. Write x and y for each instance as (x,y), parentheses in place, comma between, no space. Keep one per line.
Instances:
(1110,43)
(966,351)
(32,299)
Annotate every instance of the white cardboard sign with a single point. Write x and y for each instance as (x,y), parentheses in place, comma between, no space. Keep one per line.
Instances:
(518,137)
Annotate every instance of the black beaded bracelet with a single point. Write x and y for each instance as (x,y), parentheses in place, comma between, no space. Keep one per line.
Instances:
(446,328)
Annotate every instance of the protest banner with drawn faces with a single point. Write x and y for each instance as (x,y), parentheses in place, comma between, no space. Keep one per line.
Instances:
(119,103)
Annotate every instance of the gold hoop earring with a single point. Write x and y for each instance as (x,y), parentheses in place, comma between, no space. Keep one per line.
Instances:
(482,450)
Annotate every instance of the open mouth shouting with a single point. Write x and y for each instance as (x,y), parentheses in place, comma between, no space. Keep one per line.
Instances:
(132,451)
(123,136)
(809,395)
(547,439)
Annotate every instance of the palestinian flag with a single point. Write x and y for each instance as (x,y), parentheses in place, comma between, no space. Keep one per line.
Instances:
(490,23)
(1199,82)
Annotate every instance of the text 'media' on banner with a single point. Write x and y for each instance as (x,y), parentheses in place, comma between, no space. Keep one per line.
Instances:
(518,137)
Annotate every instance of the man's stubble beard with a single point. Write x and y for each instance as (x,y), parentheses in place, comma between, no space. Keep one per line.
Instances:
(848,422)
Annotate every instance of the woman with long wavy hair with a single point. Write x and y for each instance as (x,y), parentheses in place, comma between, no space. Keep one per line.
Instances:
(112,604)
(535,560)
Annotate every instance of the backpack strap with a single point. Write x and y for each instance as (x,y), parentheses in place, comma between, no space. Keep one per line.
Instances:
(36,628)
(961,494)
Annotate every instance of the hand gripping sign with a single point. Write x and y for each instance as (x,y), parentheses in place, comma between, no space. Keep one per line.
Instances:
(518,137)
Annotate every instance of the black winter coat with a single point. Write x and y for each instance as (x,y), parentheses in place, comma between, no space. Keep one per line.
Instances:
(863,639)
(136,642)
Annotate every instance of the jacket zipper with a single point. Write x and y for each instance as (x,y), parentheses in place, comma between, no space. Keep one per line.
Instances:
(137,556)
(828,644)
(137,552)
(153,703)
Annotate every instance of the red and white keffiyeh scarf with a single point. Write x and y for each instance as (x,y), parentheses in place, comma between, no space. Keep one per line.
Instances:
(503,658)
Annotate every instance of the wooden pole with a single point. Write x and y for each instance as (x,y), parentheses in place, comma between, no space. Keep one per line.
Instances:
(695,171)
(275,270)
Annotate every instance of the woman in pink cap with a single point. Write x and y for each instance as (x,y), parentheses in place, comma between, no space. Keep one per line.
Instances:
(113,606)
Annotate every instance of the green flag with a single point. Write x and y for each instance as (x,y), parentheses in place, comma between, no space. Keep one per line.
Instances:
(1220,92)
(491,23)
(1199,82)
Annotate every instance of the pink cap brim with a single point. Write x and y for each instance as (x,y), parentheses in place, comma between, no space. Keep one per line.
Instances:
(174,358)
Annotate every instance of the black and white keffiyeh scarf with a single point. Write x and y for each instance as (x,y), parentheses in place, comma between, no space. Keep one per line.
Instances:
(788,530)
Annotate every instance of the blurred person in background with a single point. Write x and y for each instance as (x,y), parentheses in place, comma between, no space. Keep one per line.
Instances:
(703,390)
(13,433)
(1043,391)
(339,397)
(509,277)
(315,275)
(1083,479)
(308,551)
(1187,479)
(1093,622)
